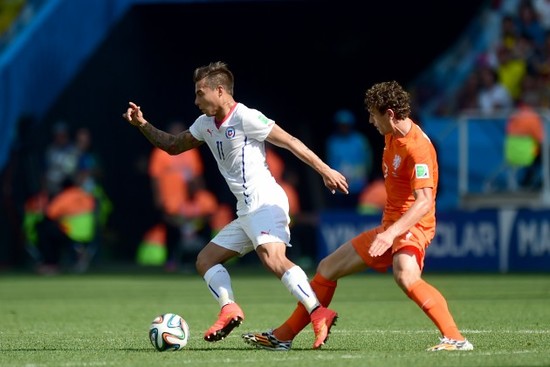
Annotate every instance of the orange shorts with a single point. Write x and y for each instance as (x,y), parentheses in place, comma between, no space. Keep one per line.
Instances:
(415,241)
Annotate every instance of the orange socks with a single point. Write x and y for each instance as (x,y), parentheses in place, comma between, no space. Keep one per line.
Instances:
(324,289)
(429,299)
(434,305)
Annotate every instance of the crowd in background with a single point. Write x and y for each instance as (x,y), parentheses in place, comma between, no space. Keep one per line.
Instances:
(514,73)
(506,78)
(514,68)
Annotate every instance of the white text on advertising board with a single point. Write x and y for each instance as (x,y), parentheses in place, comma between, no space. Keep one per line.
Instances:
(533,238)
(472,239)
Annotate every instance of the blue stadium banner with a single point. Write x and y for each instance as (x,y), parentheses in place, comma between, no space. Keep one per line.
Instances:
(489,240)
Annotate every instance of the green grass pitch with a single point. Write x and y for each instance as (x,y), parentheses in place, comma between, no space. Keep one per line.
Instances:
(102,319)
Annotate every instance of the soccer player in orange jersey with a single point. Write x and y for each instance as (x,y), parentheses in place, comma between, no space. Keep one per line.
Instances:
(410,170)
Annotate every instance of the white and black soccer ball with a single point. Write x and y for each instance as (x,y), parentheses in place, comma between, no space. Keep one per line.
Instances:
(169,332)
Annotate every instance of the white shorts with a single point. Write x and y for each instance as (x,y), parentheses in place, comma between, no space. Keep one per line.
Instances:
(268,223)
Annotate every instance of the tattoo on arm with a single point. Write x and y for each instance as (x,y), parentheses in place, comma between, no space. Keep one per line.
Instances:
(172,144)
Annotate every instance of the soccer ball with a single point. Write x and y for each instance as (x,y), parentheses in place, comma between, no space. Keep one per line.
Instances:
(169,332)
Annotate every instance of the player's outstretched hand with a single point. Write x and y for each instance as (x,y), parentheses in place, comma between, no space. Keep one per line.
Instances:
(334,180)
(134,115)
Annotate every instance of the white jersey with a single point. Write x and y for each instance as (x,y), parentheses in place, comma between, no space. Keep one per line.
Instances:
(239,149)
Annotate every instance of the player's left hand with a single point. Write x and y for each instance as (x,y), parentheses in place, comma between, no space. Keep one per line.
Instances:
(334,180)
(382,242)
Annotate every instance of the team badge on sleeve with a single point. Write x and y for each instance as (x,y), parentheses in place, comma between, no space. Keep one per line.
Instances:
(263,119)
(421,170)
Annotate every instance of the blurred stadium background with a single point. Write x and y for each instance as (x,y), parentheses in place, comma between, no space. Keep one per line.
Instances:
(81,61)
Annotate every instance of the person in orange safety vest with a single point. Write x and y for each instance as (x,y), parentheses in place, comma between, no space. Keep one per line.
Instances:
(68,220)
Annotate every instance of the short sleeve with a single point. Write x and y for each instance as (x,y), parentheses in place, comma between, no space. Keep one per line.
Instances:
(195,130)
(422,165)
(255,124)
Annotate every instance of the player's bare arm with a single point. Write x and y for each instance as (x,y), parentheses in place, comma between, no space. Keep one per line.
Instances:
(333,179)
(171,144)
(422,205)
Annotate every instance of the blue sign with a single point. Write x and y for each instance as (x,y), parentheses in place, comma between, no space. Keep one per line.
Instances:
(490,240)
(465,241)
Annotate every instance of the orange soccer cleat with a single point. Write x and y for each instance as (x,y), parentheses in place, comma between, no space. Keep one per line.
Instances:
(230,317)
(322,319)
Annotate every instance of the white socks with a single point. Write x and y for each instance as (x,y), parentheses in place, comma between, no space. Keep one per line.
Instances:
(295,280)
(219,283)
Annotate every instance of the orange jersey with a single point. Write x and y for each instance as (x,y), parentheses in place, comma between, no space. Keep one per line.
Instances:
(409,163)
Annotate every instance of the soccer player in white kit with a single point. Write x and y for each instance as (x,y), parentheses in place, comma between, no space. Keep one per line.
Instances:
(236,136)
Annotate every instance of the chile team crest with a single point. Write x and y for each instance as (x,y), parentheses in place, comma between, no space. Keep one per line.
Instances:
(230,133)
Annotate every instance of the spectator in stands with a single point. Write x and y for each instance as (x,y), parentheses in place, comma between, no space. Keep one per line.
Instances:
(542,55)
(349,152)
(541,68)
(509,33)
(528,23)
(542,8)
(511,68)
(467,96)
(492,96)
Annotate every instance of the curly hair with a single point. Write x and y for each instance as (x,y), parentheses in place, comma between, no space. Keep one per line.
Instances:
(388,95)
(217,73)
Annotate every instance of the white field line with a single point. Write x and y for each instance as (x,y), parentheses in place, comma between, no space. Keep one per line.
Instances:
(465,331)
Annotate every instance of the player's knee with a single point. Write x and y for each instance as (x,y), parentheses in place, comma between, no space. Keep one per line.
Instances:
(326,269)
(322,266)
(202,264)
(405,279)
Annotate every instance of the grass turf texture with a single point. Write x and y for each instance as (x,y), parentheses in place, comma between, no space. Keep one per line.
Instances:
(103,320)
